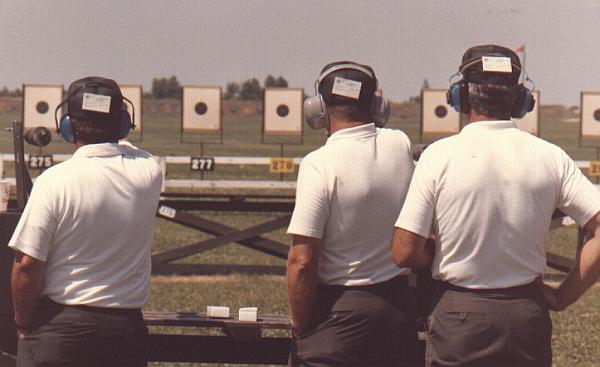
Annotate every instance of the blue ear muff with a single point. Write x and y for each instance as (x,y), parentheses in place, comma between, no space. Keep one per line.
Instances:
(126,124)
(66,130)
(454,97)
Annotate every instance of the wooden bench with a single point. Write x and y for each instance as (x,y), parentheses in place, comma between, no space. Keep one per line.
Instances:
(241,342)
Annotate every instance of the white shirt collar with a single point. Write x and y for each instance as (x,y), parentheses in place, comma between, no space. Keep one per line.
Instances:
(353,132)
(100,150)
(479,126)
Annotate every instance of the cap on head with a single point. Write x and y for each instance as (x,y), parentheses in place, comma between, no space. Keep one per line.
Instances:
(345,86)
(491,64)
(95,98)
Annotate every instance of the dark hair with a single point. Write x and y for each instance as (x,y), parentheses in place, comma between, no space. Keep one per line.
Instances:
(492,100)
(95,132)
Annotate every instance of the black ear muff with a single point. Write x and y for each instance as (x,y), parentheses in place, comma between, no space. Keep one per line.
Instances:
(126,124)
(524,102)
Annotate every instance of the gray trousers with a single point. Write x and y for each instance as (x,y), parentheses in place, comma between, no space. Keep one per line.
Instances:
(509,327)
(360,326)
(84,336)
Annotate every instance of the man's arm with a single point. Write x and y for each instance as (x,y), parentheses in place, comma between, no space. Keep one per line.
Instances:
(302,277)
(583,275)
(410,250)
(27,282)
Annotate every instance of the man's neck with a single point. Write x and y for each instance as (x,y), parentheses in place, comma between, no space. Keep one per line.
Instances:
(475,117)
(337,125)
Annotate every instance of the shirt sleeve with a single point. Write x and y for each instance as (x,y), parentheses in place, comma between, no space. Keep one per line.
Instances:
(35,230)
(312,204)
(578,197)
(419,207)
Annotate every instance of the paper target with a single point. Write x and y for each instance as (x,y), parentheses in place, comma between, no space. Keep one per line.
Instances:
(590,115)
(283,111)
(134,94)
(39,102)
(201,108)
(531,121)
(438,118)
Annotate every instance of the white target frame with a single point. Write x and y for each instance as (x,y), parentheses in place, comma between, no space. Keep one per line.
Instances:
(210,120)
(133,92)
(433,126)
(531,121)
(33,96)
(291,123)
(589,126)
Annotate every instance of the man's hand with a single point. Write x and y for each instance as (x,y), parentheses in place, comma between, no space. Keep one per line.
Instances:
(302,276)
(550,295)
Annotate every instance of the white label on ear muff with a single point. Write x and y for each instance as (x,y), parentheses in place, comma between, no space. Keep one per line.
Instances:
(96,103)
(497,64)
(346,87)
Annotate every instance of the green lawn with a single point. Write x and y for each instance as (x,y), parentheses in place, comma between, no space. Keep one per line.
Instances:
(576,341)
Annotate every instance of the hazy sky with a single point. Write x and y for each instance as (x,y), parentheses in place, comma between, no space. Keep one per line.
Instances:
(213,42)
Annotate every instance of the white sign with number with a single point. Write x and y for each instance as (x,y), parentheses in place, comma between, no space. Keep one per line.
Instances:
(40,161)
(202,164)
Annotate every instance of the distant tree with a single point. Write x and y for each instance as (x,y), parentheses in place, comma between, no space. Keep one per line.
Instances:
(232,89)
(166,88)
(251,90)
(272,82)
(5,92)
(425,84)
(281,82)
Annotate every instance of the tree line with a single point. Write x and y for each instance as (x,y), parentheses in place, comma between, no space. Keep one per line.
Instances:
(248,90)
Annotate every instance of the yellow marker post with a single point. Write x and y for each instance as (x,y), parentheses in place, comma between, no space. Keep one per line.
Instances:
(594,169)
(282,165)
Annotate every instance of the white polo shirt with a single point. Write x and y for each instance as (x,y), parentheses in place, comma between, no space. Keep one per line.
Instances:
(91,219)
(489,193)
(349,193)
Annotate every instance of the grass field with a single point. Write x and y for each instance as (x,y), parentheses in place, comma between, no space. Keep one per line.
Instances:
(575,340)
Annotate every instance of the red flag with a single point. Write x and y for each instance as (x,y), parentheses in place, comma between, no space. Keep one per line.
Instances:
(520,48)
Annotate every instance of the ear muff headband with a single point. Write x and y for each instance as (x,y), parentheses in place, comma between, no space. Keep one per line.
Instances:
(65,128)
(337,67)
(315,109)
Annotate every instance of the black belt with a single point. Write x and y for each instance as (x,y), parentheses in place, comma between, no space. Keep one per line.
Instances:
(94,309)
(519,290)
(398,281)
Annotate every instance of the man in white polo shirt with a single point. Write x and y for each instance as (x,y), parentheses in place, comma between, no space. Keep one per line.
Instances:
(487,195)
(82,269)
(350,304)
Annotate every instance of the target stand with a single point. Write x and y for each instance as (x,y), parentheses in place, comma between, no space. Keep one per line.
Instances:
(201,112)
(282,118)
